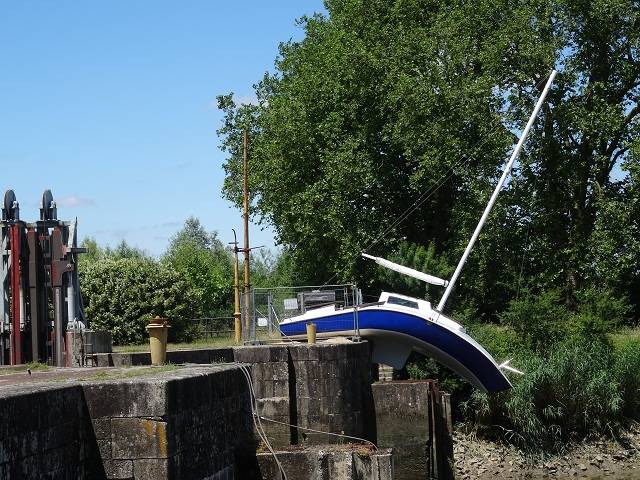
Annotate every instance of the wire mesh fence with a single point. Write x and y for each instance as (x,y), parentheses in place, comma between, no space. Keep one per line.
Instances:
(212,327)
(270,306)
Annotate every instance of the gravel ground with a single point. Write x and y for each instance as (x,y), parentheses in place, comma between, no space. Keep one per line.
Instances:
(483,460)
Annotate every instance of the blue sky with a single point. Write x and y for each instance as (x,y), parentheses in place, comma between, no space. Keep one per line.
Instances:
(111,105)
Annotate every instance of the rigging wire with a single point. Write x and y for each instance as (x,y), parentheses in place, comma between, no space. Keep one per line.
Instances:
(526,241)
(428,193)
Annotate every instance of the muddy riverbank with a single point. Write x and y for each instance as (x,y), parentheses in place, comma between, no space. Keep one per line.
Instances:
(616,460)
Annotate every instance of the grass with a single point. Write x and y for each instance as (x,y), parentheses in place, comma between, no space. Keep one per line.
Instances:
(200,343)
(130,373)
(211,342)
(33,366)
(625,336)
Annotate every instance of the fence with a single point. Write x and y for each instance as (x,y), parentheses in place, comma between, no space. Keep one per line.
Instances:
(270,306)
(212,327)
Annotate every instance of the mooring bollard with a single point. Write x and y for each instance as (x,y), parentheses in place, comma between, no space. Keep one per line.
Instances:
(158,328)
(311,333)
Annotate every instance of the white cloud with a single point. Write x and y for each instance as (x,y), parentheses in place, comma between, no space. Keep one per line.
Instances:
(73,201)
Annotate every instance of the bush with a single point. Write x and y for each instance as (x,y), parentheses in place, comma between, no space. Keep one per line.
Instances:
(121,295)
(538,320)
(420,367)
(598,313)
(573,393)
(627,372)
(502,342)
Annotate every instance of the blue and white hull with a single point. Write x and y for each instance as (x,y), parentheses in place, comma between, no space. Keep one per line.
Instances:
(398,325)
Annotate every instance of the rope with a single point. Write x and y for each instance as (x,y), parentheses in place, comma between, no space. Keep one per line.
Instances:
(320,431)
(257,424)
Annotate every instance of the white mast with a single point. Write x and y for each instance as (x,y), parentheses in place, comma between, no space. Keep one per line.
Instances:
(487,210)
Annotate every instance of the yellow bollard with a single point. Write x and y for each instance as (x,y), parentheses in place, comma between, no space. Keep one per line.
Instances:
(311,333)
(158,329)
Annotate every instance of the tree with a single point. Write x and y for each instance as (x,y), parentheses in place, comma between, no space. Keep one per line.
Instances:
(384,106)
(202,260)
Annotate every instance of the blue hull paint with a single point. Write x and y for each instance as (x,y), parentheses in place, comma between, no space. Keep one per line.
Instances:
(485,370)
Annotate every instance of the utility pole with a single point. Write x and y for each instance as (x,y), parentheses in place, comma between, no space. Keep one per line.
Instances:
(237,323)
(245,193)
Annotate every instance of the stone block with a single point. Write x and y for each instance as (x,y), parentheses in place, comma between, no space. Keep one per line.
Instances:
(200,356)
(126,398)
(271,371)
(53,459)
(338,464)
(134,438)
(274,407)
(118,469)
(151,469)
(221,355)
(101,427)
(281,388)
(6,453)
(28,468)
(260,353)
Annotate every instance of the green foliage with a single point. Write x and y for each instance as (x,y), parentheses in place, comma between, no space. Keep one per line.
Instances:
(627,372)
(421,259)
(419,367)
(121,295)
(572,393)
(272,270)
(542,320)
(538,320)
(380,101)
(204,263)
(193,279)
(500,341)
(599,312)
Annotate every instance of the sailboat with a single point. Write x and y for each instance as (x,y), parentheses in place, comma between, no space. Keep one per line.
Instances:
(396,324)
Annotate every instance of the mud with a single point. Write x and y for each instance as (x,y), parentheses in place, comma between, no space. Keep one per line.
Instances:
(614,460)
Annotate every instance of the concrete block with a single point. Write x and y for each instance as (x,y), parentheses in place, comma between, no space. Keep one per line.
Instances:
(53,459)
(54,437)
(271,371)
(281,388)
(29,443)
(134,438)
(383,466)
